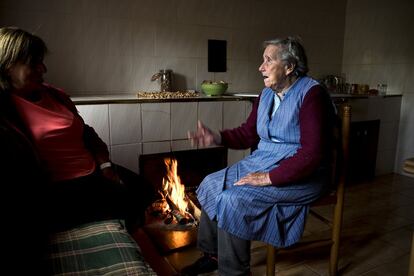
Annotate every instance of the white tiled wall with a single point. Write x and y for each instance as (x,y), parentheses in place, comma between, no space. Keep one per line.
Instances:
(127,155)
(156,124)
(97,117)
(378,49)
(183,119)
(233,116)
(119,115)
(134,129)
(211,114)
(109,46)
(406,131)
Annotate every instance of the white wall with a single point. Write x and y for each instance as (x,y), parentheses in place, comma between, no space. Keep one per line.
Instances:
(114,46)
(378,49)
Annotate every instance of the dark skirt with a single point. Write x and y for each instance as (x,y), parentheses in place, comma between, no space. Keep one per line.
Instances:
(85,199)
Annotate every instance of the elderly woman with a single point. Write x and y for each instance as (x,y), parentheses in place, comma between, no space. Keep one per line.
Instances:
(266,195)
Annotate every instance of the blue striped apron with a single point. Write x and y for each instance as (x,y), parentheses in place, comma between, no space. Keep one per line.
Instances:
(274,215)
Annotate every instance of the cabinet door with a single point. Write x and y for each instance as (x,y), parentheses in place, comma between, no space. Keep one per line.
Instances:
(363,149)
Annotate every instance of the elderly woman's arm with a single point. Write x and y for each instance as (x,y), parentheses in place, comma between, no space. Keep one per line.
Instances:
(242,137)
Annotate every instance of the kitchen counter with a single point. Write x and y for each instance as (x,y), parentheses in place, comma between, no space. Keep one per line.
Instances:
(133,98)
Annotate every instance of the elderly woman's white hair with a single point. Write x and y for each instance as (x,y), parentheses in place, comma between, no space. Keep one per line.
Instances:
(291,52)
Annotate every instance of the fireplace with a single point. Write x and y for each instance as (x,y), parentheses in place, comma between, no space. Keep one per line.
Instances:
(192,167)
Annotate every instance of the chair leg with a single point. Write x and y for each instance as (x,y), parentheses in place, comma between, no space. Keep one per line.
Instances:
(411,265)
(270,265)
(336,233)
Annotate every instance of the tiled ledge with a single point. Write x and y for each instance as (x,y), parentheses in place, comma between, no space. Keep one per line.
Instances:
(133,98)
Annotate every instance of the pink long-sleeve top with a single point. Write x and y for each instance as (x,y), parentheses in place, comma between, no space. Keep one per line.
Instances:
(315,119)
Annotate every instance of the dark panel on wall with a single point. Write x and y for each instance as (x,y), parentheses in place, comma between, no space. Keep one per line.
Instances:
(217,55)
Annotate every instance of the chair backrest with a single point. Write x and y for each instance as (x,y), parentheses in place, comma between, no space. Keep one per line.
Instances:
(339,156)
(342,148)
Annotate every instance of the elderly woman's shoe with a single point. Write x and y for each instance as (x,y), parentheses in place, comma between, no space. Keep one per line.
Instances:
(207,263)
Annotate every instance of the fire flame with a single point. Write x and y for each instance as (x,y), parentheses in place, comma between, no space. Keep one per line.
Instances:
(172,186)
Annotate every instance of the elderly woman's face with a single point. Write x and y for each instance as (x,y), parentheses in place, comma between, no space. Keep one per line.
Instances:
(274,71)
(27,76)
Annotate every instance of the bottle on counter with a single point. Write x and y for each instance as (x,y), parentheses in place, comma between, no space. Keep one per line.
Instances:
(382,89)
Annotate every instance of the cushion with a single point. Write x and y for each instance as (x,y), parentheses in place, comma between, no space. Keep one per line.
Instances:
(99,248)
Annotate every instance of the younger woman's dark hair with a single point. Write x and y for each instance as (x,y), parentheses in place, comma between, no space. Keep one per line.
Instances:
(17,45)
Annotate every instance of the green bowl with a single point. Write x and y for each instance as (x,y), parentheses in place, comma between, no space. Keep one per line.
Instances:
(214,88)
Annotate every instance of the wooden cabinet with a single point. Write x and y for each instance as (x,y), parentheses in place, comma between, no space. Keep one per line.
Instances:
(385,110)
(363,149)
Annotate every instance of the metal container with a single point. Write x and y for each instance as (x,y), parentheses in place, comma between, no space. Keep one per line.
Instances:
(165,77)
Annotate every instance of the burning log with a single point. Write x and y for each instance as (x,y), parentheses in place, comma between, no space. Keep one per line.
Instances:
(168,219)
(173,193)
(181,219)
(159,207)
(193,206)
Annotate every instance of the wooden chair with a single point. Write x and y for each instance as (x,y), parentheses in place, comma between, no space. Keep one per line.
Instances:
(335,198)
(411,264)
(408,166)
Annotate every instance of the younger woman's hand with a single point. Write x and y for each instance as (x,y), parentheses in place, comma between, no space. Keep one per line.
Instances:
(111,174)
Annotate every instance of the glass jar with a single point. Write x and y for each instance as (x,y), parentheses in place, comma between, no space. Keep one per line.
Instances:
(382,89)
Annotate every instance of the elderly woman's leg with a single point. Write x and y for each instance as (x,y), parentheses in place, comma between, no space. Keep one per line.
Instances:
(207,234)
(207,243)
(233,254)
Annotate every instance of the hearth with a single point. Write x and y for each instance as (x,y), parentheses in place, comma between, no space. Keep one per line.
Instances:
(172,219)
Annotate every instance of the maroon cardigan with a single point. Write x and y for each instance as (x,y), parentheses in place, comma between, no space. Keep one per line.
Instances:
(316,122)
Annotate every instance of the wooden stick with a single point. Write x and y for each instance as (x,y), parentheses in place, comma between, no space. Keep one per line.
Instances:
(181,219)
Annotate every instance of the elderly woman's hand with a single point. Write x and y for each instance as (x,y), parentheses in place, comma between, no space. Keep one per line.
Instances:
(255,179)
(204,136)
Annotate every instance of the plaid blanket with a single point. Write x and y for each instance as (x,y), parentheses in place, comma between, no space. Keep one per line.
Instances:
(99,248)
